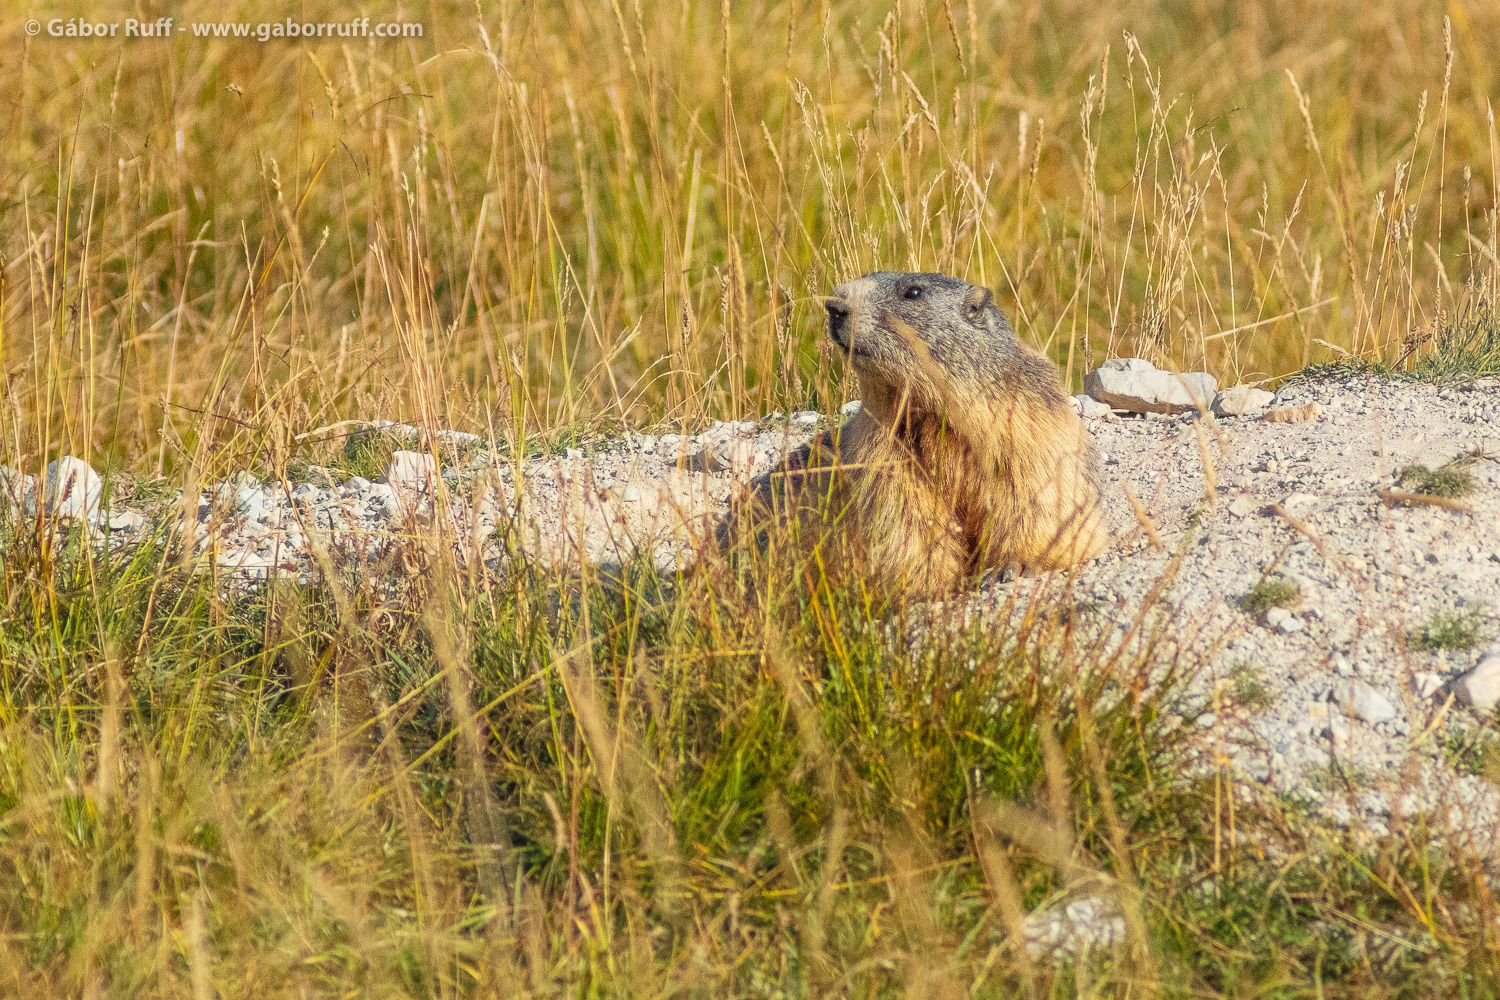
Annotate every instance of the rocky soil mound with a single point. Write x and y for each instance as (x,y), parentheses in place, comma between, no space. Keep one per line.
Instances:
(1332,553)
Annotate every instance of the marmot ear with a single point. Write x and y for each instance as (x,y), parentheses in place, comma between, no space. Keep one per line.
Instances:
(976,302)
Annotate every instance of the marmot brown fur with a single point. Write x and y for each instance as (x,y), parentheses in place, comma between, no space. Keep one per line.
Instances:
(966,454)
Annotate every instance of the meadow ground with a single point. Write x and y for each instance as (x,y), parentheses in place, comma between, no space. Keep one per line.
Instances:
(541,221)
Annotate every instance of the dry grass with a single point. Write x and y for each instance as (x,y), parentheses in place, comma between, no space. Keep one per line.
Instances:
(621,211)
(544,219)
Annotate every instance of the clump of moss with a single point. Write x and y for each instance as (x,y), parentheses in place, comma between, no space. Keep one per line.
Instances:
(1452,479)
(1268,594)
(1448,630)
(1250,688)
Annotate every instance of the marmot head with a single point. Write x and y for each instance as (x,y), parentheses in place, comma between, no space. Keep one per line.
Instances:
(921,332)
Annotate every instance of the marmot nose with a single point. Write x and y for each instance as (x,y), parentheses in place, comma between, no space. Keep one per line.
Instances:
(838,316)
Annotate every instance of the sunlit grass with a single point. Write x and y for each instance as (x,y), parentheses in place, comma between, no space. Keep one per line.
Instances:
(543,222)
(568,217)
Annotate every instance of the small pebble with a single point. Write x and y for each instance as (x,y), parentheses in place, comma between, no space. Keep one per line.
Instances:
(1363,700)
(1480,687)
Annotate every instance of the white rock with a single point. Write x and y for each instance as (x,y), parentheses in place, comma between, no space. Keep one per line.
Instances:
(249,500)
(1480,687)
(806,417)
(1088,406)
(231,489)
(1425,683)
(1299,502)
(411,470)
(1289,625)
(632,493)
(17,490)
(1128,365)
(358,484)
(738,456)
(1077,928)
(1363,700)
(244,562)
(125,520)
(1241,399)
(1275,616)
(850,408)
(72,488)
(1152,391)
(1241,506)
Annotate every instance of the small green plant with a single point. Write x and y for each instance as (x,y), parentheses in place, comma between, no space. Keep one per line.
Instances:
(1451,479)
(367,454)
(1250,688)
(1268,594)
(1473,752)
(306,472)
(1449,630)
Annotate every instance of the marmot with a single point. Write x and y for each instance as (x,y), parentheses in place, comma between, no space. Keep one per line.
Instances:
(966,454)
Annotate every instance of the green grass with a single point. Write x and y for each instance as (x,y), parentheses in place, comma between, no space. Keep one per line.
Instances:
(1249,688)
(660,769)
(1444,481)
(595,785)
(1465,348)
(307,472)
(368,454)
(1458,630)
(1452,479)
(1268,594)
(1474,751)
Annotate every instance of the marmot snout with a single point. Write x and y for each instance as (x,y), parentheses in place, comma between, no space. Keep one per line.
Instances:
(966,454)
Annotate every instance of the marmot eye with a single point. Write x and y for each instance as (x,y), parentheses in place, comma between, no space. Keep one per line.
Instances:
(913,291)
